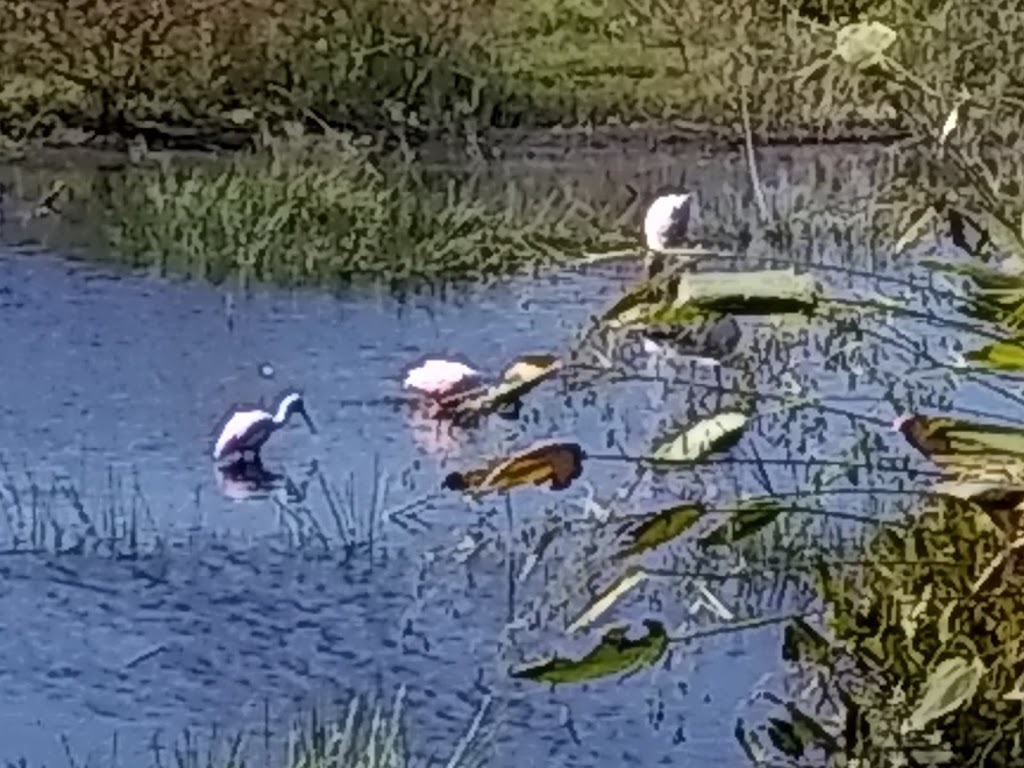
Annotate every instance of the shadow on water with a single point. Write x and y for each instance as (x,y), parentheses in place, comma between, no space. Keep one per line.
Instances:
(279,584)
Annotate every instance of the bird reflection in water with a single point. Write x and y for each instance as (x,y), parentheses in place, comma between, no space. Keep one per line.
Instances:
(247,480)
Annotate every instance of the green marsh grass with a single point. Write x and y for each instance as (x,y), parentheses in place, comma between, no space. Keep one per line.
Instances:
(334,219)
(366,733)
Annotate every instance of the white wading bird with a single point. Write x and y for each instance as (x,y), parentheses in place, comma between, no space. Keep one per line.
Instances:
(438,379)
(247,431)
(666,222)
(665,226)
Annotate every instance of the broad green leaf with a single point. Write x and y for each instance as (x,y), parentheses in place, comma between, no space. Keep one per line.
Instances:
(913,226)
(707,295)
(548,461)
(661,527)
(715,433)
(614,654)
(950,685)
(864,43)
(521,377)
(749,518)
(600,604)
(1000,355)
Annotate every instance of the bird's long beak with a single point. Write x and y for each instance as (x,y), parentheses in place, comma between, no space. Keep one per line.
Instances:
(309,422)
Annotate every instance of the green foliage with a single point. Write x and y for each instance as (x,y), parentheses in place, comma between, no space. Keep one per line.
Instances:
(616,653)
(210,71)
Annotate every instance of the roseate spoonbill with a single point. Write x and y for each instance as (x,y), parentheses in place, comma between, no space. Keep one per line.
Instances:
(439,379)
(247,431)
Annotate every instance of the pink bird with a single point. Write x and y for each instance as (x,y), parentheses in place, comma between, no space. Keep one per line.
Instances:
(439,379)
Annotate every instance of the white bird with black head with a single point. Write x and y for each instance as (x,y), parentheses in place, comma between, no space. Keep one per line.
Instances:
(246,431)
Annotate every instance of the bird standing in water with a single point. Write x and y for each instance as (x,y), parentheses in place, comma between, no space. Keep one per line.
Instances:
(438,379)
(247,431)
(665,227)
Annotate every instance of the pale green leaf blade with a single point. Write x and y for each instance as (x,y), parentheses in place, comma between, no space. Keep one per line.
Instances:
(949,686)
(607,598)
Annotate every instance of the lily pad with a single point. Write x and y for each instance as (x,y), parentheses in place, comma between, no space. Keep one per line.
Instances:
(614,654)
(716,433)
(557,462)
(661,527)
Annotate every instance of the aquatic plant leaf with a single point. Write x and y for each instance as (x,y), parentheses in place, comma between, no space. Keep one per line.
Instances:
(945,439)
(716,433)
(984,277)
(614,654)
(913,226)
(809,731)
(863,44)
(950,685)
(1007,239)
(556,462)
(985,494)
(661,527)
(522,376)
(1001,499)
(705,296)
(646,293)
(608,597)
(1000,355)
(785,738)
(801,642)
(750,744)
(750,517)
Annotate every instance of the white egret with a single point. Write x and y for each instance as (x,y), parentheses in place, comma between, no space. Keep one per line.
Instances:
(666,222)
(665,226)
(247,431)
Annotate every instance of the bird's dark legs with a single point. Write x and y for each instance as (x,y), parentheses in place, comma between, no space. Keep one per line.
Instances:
(253,460)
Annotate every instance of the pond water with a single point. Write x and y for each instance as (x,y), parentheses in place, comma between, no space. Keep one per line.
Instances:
(112,388)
